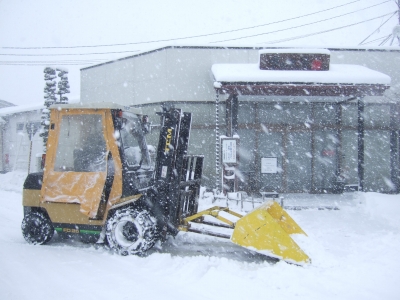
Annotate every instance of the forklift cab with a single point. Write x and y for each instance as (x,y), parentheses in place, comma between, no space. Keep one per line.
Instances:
(95,156)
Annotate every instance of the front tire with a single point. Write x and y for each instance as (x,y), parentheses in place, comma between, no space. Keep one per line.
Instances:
(131,231)
(37,229)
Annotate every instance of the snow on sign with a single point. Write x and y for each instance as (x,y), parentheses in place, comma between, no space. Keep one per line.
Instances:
(269,165)
(229,151)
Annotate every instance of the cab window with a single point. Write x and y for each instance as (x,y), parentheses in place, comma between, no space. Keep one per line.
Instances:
(81,144)
(131,134)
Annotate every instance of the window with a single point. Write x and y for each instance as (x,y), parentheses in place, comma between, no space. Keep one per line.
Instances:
(136,154)
(20,127)
(34,124)
(81,144)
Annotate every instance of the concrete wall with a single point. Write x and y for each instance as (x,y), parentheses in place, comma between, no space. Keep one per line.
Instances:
(169,74)
(184,73)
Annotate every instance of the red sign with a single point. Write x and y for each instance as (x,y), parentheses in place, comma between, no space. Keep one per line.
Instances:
(329,153)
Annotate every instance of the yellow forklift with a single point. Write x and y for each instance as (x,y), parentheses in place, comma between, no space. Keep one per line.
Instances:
(100,182)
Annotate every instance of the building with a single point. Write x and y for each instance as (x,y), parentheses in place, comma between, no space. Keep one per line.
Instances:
(311,139)
(2,123)
(16,142)
(4,103)
(16,123)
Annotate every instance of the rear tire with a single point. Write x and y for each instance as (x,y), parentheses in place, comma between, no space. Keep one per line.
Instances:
(37,228)
(131,231)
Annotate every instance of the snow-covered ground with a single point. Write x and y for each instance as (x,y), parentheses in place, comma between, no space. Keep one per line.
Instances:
(354,251)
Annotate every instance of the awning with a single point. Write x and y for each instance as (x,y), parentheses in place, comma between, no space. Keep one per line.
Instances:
(340,80)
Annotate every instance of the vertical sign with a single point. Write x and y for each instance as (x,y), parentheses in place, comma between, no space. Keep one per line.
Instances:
(229,151)
(31,130)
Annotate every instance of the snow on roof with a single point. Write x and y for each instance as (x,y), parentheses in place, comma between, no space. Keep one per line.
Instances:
(338,74)
(25,108)
(4,103)
(98,105)
(19,109)
(296,50)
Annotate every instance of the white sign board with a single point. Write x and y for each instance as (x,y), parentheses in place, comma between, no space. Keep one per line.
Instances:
(269,165)
(229,151)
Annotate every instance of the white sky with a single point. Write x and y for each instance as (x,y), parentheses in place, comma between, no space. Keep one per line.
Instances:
(47,23)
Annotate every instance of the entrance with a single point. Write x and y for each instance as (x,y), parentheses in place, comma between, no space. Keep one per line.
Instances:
(306,158)
(298,162)
(292,150)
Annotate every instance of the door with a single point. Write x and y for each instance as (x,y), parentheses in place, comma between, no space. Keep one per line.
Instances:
(270,147)
(325,142)
(76,166)
(298,161)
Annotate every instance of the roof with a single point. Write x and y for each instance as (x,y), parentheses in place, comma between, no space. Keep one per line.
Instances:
(6,111)
(243,47)
(4,103)
(340,80)
(338,74)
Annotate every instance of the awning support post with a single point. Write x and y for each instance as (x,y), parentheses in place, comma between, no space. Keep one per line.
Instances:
(394,148)
(217,144)
(232,104)
(360,134)
(229,179)
(338,150)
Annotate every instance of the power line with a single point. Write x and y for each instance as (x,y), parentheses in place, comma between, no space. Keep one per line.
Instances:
(190,37)
(376,29)
(44,63)
(385,40)
(383,37)
(52,61)
(324,31)
(40,64)
(270,42)
(293,27)
(65,54)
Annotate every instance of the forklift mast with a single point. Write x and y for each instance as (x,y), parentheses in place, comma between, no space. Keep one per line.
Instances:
(177,175)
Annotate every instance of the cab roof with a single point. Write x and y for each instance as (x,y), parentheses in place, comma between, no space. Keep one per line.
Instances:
(98,105)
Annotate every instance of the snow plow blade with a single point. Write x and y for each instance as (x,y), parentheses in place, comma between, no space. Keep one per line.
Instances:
(267,230)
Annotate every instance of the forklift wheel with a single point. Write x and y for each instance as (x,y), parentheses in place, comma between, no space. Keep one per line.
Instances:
(131,231)
(37,228)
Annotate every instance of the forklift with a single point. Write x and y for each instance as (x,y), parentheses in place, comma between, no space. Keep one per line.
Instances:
(101,181)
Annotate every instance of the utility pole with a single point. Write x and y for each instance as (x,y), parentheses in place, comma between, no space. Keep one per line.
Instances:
(396,29)
(31,130)
(398,9)
(398,26)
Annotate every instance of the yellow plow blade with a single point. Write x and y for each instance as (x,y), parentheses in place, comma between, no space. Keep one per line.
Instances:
(266,230)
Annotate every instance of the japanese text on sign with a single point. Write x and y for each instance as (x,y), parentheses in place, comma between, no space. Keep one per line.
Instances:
(269,165)
(229,151)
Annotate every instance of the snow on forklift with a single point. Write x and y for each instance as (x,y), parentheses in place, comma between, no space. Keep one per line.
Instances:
(100,183)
